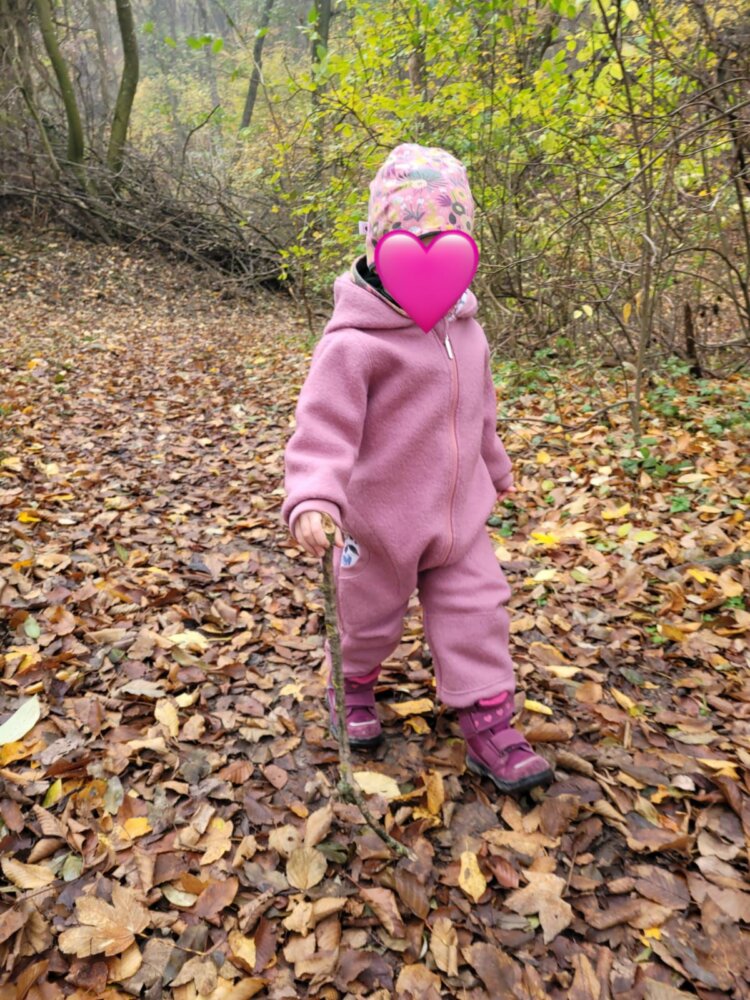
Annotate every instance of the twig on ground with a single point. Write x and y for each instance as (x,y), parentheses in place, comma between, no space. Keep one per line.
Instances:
(347,786)
(717,562)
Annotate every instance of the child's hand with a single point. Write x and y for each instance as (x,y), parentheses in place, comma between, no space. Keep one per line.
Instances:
(308,531)
(506,493)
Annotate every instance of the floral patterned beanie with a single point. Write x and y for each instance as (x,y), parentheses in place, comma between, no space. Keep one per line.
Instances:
(422,189)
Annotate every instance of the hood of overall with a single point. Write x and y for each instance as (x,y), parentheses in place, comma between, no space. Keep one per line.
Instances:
(358,306)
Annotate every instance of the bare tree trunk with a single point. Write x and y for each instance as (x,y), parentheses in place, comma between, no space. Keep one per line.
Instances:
(252,90)
(128,85)
(59,66)
(208,54)
(102,53)
(417,71)
(318,49)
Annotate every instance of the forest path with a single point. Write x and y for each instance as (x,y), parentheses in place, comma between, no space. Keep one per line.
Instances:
(171,634)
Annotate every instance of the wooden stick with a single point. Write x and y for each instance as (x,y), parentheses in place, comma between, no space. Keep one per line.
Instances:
(347,786)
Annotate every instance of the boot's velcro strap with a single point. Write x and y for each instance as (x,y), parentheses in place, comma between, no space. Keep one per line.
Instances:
(360,699)
(478,719)
(509,739)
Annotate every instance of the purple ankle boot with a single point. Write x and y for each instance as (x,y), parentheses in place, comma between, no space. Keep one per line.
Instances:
(498,752)
(362,722)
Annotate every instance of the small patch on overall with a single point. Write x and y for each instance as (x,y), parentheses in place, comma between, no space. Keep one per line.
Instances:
(350,554)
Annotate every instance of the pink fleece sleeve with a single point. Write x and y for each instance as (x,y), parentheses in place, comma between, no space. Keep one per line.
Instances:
(493,450)
(330,417)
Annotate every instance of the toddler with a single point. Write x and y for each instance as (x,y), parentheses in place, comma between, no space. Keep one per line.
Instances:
(396,439)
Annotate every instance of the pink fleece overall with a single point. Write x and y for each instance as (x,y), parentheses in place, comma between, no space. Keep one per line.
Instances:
(396,438)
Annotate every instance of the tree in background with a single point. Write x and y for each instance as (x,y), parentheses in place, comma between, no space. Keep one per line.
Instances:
(607,142)
(128,85)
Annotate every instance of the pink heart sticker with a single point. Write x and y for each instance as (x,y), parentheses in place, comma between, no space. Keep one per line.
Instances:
(426,279)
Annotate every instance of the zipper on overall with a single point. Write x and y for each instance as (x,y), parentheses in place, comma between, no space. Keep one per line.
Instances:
(454,435)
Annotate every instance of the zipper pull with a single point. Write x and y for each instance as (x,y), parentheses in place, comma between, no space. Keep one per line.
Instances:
(448,347)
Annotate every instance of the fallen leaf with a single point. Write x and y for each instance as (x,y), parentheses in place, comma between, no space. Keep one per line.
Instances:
(306,867)
(543,895)
(27,876)
(444,946)
(105,928)
(21,722)
(470,877)
(374,783)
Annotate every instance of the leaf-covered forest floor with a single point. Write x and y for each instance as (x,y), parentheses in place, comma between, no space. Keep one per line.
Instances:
(169,823)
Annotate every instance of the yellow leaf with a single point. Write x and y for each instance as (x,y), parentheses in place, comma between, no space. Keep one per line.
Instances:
(623,529)
(294,688)
(612,515)
(374,783)
(54,793)
(16,751)
(12,462)
(418,707)
(626,310)
(136,826)
(723,768)
(642,536)
(562,671)
(701,575)
(537,706)
(543,458)
(622,699)
(588,310)
(545,539)
(671,632)
(632,10)
(28,517)
(418,724)
(470,877)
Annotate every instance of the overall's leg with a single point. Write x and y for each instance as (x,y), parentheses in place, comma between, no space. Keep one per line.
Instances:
(466,625)
(372,600)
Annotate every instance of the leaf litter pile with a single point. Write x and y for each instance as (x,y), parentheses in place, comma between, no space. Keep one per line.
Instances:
(169,820)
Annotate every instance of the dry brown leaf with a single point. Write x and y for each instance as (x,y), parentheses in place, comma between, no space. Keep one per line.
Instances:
(444,946)
(543,895)
(125,965)
(306,867)
(318,825)
(27,876)
(382,902)
(242,950)
(217,841)
(435,792)
(285,839)
(105,928)
(417,982)
(166,713)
